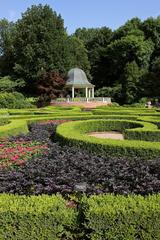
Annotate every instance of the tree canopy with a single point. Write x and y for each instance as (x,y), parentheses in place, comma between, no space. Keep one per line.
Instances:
(124,63)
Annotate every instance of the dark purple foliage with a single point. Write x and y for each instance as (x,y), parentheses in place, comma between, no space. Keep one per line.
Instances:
(62,168)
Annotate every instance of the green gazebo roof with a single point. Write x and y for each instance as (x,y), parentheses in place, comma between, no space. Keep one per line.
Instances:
(77,78)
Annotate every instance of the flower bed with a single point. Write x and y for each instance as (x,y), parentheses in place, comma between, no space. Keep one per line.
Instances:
(16,153)
(62,168)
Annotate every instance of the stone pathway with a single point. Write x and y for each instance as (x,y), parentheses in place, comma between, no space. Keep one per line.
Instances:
(111,135)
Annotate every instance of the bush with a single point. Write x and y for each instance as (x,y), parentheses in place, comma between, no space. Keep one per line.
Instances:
(122,218)
(13,127)
(13,100)
(74,134)
(41,217)
(100,217)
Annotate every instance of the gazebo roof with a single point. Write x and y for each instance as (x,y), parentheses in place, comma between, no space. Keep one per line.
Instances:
(77,78)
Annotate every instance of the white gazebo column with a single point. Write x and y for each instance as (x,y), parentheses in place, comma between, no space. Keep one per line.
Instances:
(93,92)
(86,92)
(72,92)
(89,93)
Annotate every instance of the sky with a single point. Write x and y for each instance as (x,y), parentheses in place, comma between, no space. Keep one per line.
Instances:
(87,13)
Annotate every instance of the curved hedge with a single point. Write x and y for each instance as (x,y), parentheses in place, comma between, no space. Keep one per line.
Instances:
(74,134)
(14,127)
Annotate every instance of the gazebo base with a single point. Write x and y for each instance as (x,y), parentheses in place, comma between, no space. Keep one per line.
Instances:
(87,105)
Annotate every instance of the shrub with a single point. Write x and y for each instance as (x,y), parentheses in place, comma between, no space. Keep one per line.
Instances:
(13,100)
(100,217)
(122,218)
(74,134)
(14,127)
(41,217)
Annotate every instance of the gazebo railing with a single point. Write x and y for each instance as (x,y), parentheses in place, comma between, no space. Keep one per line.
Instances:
(83,99)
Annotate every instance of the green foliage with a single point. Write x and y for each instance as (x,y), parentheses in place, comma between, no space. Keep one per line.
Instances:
(122,218)
(100,217)
(13,100)
(86,34)
(3,121)
(74,134)
(131,27)
(14,127)
(131,79)
(39,44)
(114,92)
(77,54)
(7,84)
(151,81)
(7,33)
(36,217)
(151,30)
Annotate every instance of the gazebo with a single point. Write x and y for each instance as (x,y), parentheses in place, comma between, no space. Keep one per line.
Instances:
(77,80)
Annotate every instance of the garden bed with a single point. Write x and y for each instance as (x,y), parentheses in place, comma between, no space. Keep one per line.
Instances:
(62,168)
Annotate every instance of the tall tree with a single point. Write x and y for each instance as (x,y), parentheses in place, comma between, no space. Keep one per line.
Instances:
(6,47)
(96,48)
(131,83)
(77,55)
(39,44)
(151,29)
(131,27)
(86,34)
(151,81)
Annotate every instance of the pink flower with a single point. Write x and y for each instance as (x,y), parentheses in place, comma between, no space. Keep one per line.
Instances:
(15,158)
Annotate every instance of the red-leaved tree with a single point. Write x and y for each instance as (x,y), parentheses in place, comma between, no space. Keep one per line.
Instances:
(50,86)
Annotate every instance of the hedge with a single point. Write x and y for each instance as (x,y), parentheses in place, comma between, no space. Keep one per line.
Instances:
(18,124)
(102,217)
(122,218)
(74,134)
(14,127)
(36,217)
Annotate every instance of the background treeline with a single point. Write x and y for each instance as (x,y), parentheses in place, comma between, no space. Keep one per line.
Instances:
(36,53)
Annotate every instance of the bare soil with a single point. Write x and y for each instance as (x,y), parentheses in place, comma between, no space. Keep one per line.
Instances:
(110,135)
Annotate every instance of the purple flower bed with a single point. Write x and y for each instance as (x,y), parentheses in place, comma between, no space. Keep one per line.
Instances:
(62,169)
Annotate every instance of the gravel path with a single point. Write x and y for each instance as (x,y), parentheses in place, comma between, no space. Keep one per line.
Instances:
(111,135)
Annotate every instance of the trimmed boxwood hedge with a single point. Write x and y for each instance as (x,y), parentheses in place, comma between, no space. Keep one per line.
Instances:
(122,218)
(14,127)
(100,217)
(36,217)
(74,134)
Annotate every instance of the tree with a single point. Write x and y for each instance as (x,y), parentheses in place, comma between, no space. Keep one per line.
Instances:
(151,81)
(86,34)
(131,27)
(77,55)
(96,48)
(6,47)
(50,86)
(151,29)
(39,44)
(131,83)
(7,84)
